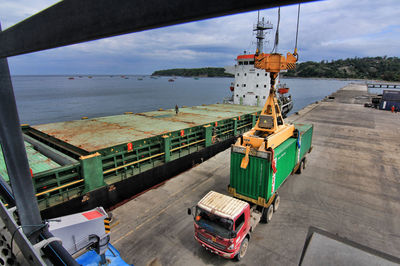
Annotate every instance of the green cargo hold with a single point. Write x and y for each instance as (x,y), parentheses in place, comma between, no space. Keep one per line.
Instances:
(258,183)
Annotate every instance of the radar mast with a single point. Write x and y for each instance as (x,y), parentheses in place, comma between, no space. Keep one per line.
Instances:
(259,28)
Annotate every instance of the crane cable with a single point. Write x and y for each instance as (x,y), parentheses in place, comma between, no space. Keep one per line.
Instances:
(276,42)
(297,31)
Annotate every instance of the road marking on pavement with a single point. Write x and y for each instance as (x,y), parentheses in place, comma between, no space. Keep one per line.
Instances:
(160,212)
(114,224)
(202,183)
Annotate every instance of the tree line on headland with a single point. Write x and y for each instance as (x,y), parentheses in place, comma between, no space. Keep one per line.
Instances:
(382,68)
(194,72)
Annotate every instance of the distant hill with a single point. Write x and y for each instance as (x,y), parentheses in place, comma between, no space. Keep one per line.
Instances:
(194,72)
(383,68)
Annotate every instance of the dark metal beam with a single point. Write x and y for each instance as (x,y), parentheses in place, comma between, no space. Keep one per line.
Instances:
(49,152)
(20,178)
(15,155)
(75,21)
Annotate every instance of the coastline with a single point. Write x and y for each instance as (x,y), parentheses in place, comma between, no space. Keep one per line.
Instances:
(169,76)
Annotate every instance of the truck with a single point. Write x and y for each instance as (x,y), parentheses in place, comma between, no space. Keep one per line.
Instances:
(224,224)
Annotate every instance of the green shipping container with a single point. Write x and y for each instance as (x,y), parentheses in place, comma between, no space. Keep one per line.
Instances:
(257,183)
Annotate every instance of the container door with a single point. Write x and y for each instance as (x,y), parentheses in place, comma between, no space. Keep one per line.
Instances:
(250,182)
(285,156)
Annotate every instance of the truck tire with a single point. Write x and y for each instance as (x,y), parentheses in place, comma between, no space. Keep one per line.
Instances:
(298,171)
(276,203)
(304,163)
(267,213)
(243,249)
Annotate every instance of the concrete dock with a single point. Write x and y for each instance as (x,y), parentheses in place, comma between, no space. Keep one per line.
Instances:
(350,187)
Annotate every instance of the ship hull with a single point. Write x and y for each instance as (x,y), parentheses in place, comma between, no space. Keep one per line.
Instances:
(119,192)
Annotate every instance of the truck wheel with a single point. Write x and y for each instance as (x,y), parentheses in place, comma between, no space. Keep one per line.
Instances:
(243,249)
(304,163)
(298,171)
(270,212)
(266,216)
(276,203)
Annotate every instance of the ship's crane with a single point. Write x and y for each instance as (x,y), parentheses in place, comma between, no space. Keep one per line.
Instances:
(270,130)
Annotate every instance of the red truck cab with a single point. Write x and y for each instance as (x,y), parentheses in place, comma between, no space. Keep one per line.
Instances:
(222,224)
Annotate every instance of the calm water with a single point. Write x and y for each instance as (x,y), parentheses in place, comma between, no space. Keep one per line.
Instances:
(45,99)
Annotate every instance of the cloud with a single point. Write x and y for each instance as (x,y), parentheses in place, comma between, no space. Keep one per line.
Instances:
(328,30)
(14,11)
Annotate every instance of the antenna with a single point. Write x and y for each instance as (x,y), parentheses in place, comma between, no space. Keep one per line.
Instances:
(259,28)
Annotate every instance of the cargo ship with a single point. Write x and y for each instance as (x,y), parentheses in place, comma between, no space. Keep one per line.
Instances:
(79,165)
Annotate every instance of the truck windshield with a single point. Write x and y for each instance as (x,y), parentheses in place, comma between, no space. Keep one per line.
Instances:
(214,223)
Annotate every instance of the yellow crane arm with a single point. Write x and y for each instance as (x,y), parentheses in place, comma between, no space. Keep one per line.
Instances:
(270,130)
(274,63)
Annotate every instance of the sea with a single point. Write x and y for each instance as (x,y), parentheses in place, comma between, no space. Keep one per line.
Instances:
(48,99)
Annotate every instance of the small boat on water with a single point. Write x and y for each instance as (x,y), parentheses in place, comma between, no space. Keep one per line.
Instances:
(140,79)
(171,80)
(196,78)
(71,78)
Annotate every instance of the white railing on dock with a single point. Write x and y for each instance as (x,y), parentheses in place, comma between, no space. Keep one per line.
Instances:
(383,85)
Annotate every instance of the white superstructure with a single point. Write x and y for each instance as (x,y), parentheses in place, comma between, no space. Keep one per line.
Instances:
(251,85)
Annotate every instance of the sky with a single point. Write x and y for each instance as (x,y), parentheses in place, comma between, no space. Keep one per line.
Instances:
(329,30)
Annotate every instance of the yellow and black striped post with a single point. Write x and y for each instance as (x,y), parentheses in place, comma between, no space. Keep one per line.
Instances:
(107,225)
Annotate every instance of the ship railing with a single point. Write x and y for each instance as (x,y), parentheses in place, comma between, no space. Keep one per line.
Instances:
(150,153)
(57,185)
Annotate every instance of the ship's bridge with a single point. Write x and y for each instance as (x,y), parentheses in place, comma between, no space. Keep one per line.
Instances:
(245,59)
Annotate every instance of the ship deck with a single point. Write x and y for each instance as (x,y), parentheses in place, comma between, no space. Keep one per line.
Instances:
(136,152)
(103,132)
(37,161)
(350,188)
